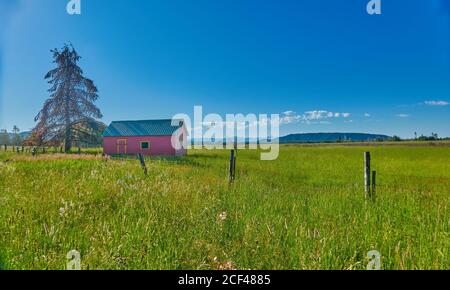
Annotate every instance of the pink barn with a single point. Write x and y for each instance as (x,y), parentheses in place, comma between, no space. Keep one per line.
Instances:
(150,138)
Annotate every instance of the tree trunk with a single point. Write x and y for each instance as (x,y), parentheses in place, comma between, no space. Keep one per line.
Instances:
(68,140)
(68,133)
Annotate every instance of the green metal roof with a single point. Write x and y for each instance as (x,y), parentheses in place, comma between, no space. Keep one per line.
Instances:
(142,128)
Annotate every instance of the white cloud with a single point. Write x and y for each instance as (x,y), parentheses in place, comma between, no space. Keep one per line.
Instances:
(316,115)
(309,117)
(290,117)
(367,115)
(436,103)
(403,115)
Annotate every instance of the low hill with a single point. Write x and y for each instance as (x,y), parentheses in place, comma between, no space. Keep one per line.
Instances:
(23,135)
(332,137)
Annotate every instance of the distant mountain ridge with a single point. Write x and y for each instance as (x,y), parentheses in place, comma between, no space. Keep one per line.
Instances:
(22,135)
(332,137)
(312,138)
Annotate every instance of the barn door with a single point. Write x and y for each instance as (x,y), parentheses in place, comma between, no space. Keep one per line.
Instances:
(122,146)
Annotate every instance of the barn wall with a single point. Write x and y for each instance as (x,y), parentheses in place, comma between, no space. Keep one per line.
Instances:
(159,145)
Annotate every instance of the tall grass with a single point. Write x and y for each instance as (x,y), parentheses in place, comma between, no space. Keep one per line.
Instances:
(305,210)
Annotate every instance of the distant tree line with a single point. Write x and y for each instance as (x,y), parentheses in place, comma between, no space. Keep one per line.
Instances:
(12,138)
(432,137)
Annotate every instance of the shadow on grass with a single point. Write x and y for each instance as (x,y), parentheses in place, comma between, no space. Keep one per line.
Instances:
(168,159)
(204,156)
(176,160)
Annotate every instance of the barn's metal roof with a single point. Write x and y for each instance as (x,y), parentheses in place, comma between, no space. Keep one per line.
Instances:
(142,128)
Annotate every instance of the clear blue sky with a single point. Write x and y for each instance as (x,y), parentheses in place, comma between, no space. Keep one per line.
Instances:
(153,59)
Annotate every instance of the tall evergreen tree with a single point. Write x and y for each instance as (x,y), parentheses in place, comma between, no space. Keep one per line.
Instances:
(16,139)
(71,102)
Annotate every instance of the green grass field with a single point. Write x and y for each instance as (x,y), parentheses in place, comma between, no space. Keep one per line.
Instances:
(306,210)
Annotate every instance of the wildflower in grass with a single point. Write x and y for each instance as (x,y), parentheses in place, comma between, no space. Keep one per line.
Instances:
(94,173)
(62,211)
(316,233)
(223,266)
(227,266)
(222,216)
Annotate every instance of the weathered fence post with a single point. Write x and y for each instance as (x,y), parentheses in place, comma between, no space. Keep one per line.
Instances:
(374,185)
(232,166)
(6,147)
(33,151)
(235,158)
(142,160)
(367,173)
(79,150)
(105,157)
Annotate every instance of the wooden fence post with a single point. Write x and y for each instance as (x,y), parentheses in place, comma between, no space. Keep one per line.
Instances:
(142,160)
(367,173)
(232,166)
(79,150)
(6,147)
(374,185)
